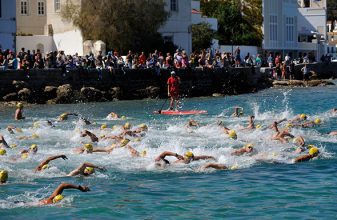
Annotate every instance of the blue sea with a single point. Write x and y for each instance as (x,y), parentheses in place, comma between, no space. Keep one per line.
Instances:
(263,185)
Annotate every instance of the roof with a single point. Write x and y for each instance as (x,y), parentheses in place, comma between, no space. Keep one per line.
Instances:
(195,11)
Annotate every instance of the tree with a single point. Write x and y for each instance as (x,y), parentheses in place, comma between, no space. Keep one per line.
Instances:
(239,22)
(202,36)
(332,9)
(122,25)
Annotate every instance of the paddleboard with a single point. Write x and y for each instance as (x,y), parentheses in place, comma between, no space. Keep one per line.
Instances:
(187,112)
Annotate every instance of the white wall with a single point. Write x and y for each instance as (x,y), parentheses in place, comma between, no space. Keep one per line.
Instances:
(7,24)
(70,42)
(31,42)
(243,49)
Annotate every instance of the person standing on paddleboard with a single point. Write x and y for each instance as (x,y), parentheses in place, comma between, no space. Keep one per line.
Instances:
(173,89)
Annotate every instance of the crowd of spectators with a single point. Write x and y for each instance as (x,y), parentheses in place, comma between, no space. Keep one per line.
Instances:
(113,60)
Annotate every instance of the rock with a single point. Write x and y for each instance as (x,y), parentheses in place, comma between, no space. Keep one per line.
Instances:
(217,95)
(64,94)
(296,83)
(18,85)
(314,82)
(115,93)
(49,92)
(25,95)
(91,94)
(11,97)
(152,91)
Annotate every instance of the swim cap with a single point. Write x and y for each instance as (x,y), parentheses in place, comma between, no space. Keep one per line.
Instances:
(143,153)
(232,134)
(249,145)
(289,125)
(258,126)
(123,117)
(46,166)
(35,136)
(102,136)
(127,125)
(24,155)
(114,127)
(313,151)
(3,176)
(234,167)
(63,115)
(137,139)
(2,152)
(88,147)
(13,146)
(103,126)
(19,105)
(124,142)
(303,116)
(143,126)
(57,198)
(173,72)
(295,140)
(89,170)
(317,121)
(33,147)
(189,154)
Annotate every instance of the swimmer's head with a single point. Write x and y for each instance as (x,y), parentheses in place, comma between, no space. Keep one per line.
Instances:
(57,198)
(33,148)
(314,151)
(137,139)
(103,126)
(127,126)
(19,105)
(114,127)
(249,148)
(3,176)
(258,126)
(88,148)
(232,134)
(35,136)
(303,116)
(24,155)
(143,153)
(124,142)
(88,170)
(63,116)
(143,126)
(2,152)
(189,155)
(123,117)
(317,121)
(46,166)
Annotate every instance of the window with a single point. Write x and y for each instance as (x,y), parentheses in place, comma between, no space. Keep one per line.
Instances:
(273,27)
(289,29)
(174,5)
(24,7)
(40,8)
(57,5)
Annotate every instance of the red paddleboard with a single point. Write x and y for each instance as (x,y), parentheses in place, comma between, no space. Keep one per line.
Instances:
(188,112)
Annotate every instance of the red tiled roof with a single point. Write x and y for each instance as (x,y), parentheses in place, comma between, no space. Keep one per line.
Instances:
(194,11)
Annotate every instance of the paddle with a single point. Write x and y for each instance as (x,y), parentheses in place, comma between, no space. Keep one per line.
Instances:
(159,111)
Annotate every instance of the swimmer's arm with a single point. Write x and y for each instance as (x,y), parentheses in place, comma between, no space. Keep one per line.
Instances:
(104,150)
(203,157)
(167,153)
(86,164)
(64,157)
(303,158)
(92,136)
(215,166)
(133,151)
(64,186)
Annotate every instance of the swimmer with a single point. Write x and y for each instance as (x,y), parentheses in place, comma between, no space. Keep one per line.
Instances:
(112,115)
(141,128)
(57,194)
(64,116)
(309,124)
(3,176)
(299,118)
(333,133)
(18,112)
(251,124)
(11,129)
(215,166)
(236,112)
(192,123)
(186,159)
(135,153)
(85,169)
(3,142)
(313,152)
(45,164)
(248,148)
(231,133)
(89,149)
(32,150)
(281,135)
(92,136)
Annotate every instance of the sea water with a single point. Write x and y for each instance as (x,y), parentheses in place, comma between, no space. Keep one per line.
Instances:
(264,185)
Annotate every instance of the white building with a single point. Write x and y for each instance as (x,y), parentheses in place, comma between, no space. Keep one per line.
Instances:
(7,24)
(294,26)
(177,28)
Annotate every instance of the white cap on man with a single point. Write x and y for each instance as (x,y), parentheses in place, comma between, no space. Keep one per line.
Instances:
(173,73)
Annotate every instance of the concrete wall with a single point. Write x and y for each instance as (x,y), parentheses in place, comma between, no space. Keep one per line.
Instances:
(35,42)
(7,24)
(70,42)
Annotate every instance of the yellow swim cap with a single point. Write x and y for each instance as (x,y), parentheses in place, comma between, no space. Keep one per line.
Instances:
(137,139)
(3,176)
(258,126)
(35,136)
(19,105)
(114,127)
(127,125)
(232,134)
(18,130)
(113,146)
(143,126)
(143,153)
(102,136)
(310,146)
(289,125)
(24,155)
(234,167)
(2,152)
(303,116)
(189,154)
(123,117)
(88,147)
(249,145)
(124,142)
(89,170)
(103,126)
(46,166)
(317,121)
(57,198)
(313,151)
(63,115)
(36,124)
(33,146)
(13,146)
